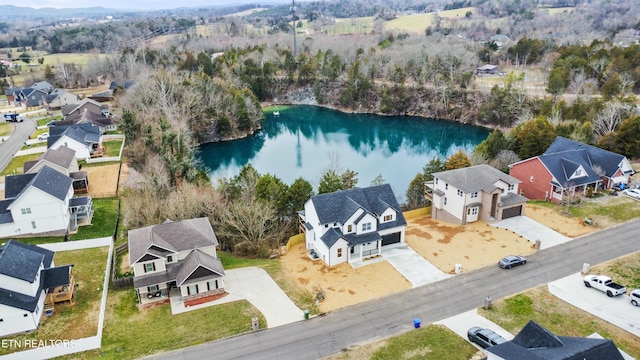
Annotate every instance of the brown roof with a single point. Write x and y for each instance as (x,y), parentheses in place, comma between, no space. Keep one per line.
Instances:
(61,156)
(172,236)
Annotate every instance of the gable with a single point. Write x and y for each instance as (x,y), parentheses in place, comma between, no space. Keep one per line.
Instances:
(147,257)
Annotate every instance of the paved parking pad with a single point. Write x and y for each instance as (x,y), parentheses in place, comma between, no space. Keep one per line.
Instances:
(617,310)
(412,266)
(532,231)
(462,322)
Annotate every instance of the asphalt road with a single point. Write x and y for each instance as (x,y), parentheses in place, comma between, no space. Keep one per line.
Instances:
(394,314)
(10,146)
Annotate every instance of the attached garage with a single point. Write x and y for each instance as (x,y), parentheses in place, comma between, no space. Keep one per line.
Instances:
(511,212)
(390,239)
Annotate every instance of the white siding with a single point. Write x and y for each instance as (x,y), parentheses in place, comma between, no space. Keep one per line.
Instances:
(82,151)
(387,212)
(351,221)
(202,286)
(367,219)
(333,258)
(20,286)
(48,212)
(15,321)
(138,268)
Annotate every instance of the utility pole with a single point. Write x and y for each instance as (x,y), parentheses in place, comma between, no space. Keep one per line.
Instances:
(293,27)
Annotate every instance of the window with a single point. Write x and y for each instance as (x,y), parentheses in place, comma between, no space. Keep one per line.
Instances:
(388,217)
(25,211)
(460,193)
(531,179)
(445,200)
(25,315)
(353,250)
(212,285)
(349,228)
(472,211)
(33,224)
(192,289)
(339,252)
(366,226)
(446,186)
(149,267)
(474,195)
(511,187)
(326,226)
(152,288)
(169,258)
(436,181)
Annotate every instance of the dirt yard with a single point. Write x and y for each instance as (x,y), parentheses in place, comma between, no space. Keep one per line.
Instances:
(103,179)
(473,246)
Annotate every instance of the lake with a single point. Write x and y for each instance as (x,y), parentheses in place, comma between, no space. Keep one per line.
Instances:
(304,141)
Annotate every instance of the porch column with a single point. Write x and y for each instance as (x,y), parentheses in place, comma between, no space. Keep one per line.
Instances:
(379,245)
(360,250)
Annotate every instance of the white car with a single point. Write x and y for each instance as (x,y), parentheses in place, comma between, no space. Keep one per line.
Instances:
(634,297)
(634,193)
(43,136)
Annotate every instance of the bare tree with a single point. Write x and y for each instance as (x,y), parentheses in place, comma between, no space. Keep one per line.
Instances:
(608,119)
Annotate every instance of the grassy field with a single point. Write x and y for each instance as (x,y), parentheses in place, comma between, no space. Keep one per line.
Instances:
(605,210)
(431,342)
(131,333)
(103,224)
(79,320)
(559,317)
(16,165)
(112,147)
(78,59)
(6,129)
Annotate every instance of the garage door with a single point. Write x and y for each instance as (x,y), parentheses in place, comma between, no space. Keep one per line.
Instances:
(390,239)
(511,212)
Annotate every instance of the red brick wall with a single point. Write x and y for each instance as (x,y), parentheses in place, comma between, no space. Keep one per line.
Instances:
(541,184)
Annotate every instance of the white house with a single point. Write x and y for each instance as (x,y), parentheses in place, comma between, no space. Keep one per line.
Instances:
(474,193)
(27,274)
(41,203)
(63,160)
(84,139)
(176,254)
(58,98)
(352,225)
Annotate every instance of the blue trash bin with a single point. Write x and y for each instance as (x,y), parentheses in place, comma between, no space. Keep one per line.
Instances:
(416,323)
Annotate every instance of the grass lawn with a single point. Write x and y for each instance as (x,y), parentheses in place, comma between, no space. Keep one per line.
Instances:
(16,165)
(105,212)
(130,333)
(416,23)
(559,317)
(6,129)
(605,210)
(78,59)
(79,320)
(112,147)
(431,342)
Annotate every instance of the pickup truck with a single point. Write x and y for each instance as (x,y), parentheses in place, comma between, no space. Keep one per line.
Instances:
(604,284)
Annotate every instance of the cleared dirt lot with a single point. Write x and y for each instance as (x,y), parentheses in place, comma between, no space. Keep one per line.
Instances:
(443,244)
(103,179)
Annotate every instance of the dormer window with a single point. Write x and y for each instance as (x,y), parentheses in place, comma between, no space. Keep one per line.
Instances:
(388,217)
(169,258)
(512,187)
(149,267)
(349,228)
(446,186)
(366,226)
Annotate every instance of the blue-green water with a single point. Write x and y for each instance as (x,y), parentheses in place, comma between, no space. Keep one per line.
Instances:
(303,140)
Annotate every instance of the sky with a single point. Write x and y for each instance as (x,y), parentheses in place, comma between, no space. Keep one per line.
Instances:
(127,4)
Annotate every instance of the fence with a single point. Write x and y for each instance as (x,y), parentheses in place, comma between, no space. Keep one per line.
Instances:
(111,158)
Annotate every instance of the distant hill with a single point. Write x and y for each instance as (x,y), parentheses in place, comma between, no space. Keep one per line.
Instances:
(11,12)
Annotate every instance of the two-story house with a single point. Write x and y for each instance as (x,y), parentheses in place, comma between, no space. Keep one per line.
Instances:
(569,168)
(474,193)
(176,255)
(352,225)
(27,277)
(84,139)
(42,203)
(63,160)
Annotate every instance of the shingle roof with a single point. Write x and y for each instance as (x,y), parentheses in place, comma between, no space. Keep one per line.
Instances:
(608,161)
(83,133)
(534,342)
(340,205)
(56,276)
(18,300)
(22,261)
(5,213)
(475,178)
(86,117)
(47,180)
(562,165)
(62,156)
(174,236)
(198,259)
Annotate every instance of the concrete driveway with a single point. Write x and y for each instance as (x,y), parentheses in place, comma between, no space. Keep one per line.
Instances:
(256,286)
(460,323)
(411,265)
(617,310)
(532,231)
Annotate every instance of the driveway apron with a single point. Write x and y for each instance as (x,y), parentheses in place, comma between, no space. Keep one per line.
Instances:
(532,231)
(411,265)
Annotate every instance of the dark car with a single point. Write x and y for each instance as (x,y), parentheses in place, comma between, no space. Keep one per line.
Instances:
(484,337)
(512,260)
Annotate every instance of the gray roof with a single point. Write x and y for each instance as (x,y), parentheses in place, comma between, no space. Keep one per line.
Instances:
(174,236)
(56,276)
(82,105)
(534,342)
(22,261)
(83,133)
(512,199)
(157,278)
(19,300)
(340,205)
(562,165)
(48,180)
(79,201)
(86,117)
(62,156)
(608,161)
(42,85)
(198,265)
(475,178)
(5,213)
